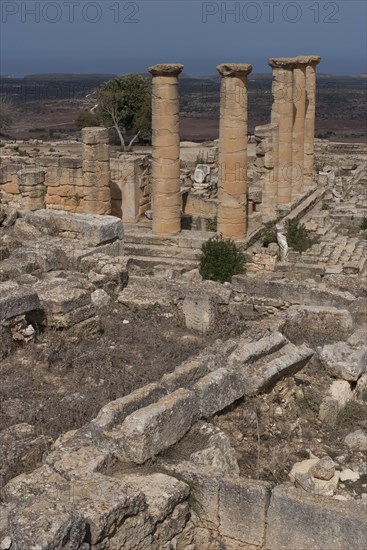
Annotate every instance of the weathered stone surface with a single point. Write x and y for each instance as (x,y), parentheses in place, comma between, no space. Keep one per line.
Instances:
(323,469)
(242,509)
(59,296)
(155,427)
(116,411)
(343,361)
(290,292)
(15,300)
(92,228)
(357,440)
(317,325)
(299,520)
(217,390)
(200,313)
(247,352)
(44,524)
(265,373)
(100,298)
(217,453)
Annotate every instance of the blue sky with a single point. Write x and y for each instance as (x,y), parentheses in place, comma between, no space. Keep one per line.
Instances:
(117,36)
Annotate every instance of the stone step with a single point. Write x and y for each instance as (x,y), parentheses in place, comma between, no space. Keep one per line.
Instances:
(147,262)
(159,251)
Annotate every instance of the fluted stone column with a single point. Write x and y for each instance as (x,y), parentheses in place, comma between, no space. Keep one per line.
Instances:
(310,120)
(232,184)
(96,171)
(299,113)
(282,114)
(166,197)
(266,137)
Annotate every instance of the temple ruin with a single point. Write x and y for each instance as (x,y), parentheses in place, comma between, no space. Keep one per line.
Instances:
(247,433)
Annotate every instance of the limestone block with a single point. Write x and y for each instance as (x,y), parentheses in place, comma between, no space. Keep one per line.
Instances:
(341,360)
(242,509)
(30,177)
(317,325)
(246,352)
(199,312)
(116,411)
(158,426)
(94,135)
(15,300)
(217,390)
(299,520)
(264,373)
(94,229)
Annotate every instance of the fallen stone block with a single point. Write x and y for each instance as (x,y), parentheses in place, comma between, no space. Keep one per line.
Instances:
(45,525)
(217,390)
(299,520)
(247,352)
(200,313)
(263,374)
(116,411)
(343,361)
(290,291)
(15,300)
(317,325)
(156,427)
(92,228)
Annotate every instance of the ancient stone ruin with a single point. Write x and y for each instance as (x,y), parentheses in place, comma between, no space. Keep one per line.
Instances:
(252,437)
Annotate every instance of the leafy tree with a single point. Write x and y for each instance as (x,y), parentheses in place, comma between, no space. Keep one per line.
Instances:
(125,104)
(86,119)
(221,259)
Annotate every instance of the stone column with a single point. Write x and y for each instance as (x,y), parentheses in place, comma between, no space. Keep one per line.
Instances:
(96,171)
(32,189)
(310,120)
(166,196)
(282,114)
(299,112)
(232,184)
(267,146)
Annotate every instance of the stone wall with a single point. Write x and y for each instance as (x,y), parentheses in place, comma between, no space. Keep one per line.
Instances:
(65,188)
(130,186)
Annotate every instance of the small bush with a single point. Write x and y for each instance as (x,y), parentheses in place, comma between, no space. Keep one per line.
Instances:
(364,223)
(211,224)
(221,259)
(325,205)
(201,158)
(298,237)
(269,234)
(23,153)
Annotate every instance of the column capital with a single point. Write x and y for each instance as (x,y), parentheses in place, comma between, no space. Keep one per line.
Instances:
(234,69)
(166,69)
(292,62)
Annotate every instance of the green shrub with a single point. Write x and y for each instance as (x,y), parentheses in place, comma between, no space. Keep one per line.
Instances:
(364,223)
(298,237)
(269,234)
(325,205)
(23,153)
(201,158)
(211,224)
(221,259)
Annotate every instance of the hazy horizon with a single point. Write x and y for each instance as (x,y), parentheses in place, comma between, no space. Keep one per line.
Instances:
(119,37)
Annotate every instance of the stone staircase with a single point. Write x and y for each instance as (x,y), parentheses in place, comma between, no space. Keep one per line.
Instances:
(146,250)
